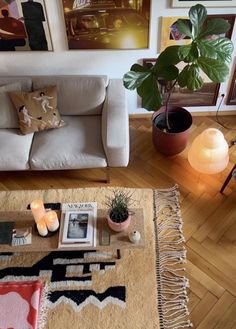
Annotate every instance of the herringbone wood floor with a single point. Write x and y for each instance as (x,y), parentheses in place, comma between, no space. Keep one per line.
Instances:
(209,217)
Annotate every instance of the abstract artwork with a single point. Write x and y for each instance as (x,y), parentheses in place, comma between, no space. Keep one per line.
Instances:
(24,26)
(170,36)
(95,24)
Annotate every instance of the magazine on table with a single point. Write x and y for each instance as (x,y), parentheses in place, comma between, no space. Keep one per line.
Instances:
(78,225)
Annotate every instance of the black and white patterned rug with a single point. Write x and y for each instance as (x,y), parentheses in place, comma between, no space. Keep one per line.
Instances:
(64,271)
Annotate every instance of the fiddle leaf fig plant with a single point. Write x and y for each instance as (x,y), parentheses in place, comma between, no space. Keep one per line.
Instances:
(204,54)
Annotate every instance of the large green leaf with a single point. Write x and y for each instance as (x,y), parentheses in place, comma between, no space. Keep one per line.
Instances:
(197,15)
(217,71)
(190,77)
(150,93)
(185,27)
(133,80)
(184,51)
(139,68)
(206,49)
(168,57)
(215,26)
(168,73)
(220,49)
(183,77)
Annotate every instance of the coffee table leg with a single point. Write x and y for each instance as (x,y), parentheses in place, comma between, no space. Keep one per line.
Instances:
(118,254)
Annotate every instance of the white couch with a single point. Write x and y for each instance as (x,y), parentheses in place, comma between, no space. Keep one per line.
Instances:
(96,134)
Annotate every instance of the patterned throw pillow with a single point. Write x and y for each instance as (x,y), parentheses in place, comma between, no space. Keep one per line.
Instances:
(37,110)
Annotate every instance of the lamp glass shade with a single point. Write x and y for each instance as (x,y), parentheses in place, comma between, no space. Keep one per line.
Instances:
(209,152)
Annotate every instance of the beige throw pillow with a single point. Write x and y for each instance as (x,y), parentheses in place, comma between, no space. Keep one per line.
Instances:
(8,116)
(37,110)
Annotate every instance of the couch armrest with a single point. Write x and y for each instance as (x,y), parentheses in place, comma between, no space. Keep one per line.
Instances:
(115,125)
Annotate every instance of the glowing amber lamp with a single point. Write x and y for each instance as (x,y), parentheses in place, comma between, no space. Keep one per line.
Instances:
(208,153)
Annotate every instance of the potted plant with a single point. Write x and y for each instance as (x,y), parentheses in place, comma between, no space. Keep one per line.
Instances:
(204,54)
(119,216)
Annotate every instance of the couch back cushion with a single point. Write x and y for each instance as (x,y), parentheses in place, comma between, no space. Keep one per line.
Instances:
(8,116)
(25,82)
(77,95)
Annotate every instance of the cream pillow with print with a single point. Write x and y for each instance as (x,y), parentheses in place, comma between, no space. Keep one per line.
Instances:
(37,110)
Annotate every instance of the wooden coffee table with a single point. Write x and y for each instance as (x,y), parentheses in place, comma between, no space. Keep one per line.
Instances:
(118,241)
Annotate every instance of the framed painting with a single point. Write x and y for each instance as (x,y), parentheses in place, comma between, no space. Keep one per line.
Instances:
(231,97)
(206,96)
(24,26)
(170,36)
(230,18)
(207,3)
(95,24)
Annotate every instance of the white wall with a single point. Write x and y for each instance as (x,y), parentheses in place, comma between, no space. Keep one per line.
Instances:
(114,63)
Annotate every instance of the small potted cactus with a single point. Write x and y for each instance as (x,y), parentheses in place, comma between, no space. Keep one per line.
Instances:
(119,216)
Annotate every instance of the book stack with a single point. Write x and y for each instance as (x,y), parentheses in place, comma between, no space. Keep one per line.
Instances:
(78,225)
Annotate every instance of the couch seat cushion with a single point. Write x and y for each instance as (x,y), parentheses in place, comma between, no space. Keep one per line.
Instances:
(14,150)
(74,146)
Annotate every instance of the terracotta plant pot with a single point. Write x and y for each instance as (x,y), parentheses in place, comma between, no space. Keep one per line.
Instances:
(118,227)
(171,143)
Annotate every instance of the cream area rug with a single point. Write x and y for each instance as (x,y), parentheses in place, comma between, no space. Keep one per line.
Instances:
(145,289)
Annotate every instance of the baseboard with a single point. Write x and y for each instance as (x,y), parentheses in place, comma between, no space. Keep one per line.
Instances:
(213,113)
(194,114)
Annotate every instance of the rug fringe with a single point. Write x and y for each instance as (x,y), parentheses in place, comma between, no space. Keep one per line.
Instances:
(171,255)
(43,310)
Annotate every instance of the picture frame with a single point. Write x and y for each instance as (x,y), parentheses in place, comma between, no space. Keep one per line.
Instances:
(230,18)
(170,35)
(78,227)
(231,97)
(24,26)
(206,96)
(209,3)
(97,24)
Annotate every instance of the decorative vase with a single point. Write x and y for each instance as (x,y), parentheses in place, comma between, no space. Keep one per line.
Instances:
(118,227)
(171,143)
(134,236)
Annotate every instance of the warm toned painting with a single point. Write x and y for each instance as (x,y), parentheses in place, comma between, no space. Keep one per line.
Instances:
(24,26)
(170,36)
(206,96)
(99,24)
(231,97)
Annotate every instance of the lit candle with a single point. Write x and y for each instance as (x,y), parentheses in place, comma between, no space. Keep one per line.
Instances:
(51,220)
(42,228)
(38,210)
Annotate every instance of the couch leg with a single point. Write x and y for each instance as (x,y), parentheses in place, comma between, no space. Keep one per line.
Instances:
(108,179)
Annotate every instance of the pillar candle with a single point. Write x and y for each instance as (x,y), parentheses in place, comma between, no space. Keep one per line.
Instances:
(42,228)
(51,220)
(38,210)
